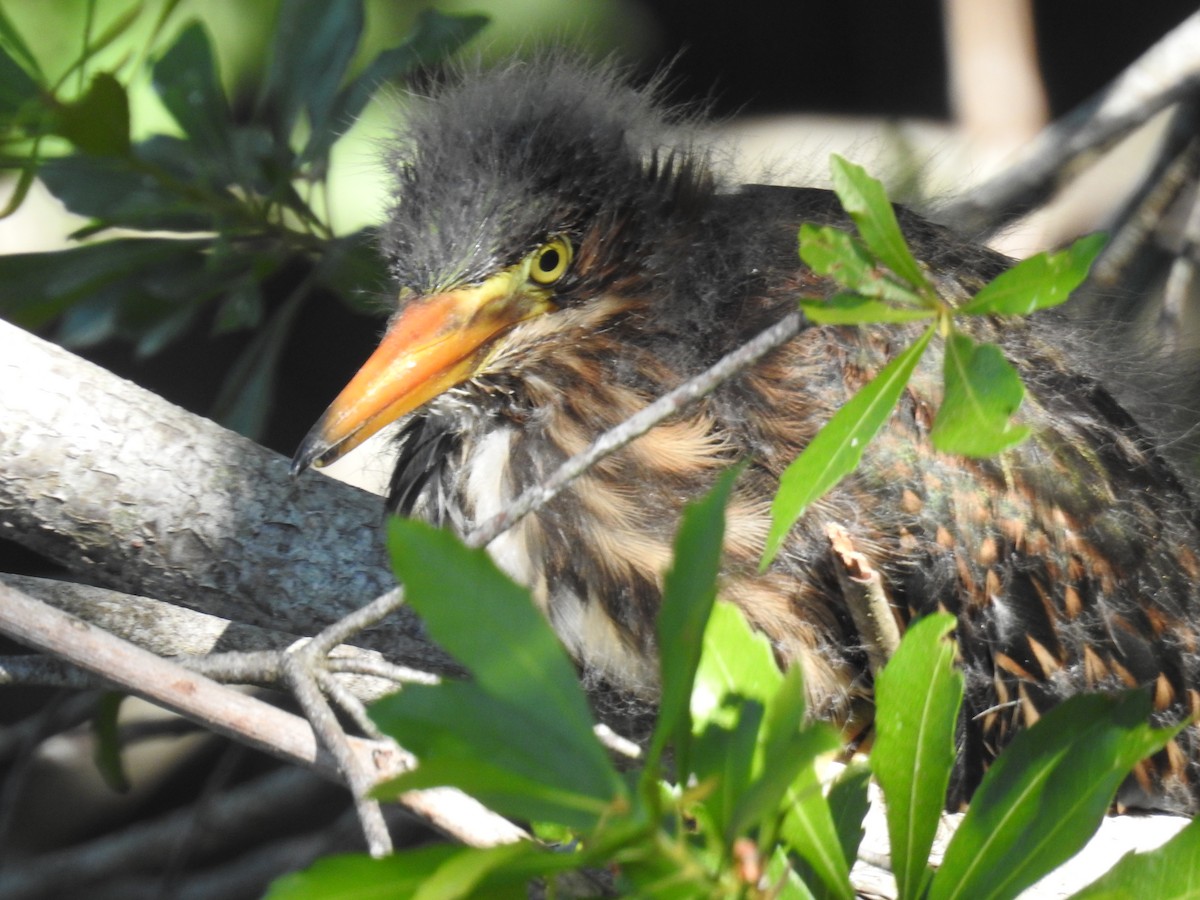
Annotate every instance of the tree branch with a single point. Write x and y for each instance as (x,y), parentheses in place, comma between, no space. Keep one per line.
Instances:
(1162,75)
(135,493)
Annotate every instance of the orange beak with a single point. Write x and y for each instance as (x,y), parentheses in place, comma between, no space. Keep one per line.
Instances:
(437,342)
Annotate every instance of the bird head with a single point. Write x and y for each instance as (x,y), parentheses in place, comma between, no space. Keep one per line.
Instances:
(519,193)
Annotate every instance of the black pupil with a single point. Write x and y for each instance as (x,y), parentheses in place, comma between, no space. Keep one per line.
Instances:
(549,260)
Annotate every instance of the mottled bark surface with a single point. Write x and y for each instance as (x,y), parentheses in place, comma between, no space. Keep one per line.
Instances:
(132,492)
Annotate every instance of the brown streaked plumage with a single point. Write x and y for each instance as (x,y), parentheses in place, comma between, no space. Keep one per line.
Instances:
(564,256)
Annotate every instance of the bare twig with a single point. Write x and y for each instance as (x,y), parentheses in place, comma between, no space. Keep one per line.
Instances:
(1163,74)
(169,685)
(235,817)
(233,714)
(1181,279)
(867,599)
(635,426)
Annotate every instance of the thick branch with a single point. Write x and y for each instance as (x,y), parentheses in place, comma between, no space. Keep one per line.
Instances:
(137,494)
(1163,74)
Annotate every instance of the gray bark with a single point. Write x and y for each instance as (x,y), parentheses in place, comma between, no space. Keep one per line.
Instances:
(131,492)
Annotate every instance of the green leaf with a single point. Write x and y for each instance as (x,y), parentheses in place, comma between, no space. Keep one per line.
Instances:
(983,391)
(917,697)
(1045,795)
(358,877)
(864,198)
(689,591)
(11,43)
(90,321)
(500,753)
(115,28)
(853,309)
(841,256)
(838,447)
(779,777)
(788,885)
(435,36)
(186,81)
(313,44)
(808,829)
(16,87)
(354,270)
(722,757)
(735,661)
(832,252)
(107,752)
(98,122)
(848,802)
(1170,872)
(35,288)
(1039,282)
(734,683)
(119,191)
(469,869)
(516,658)
(242,307)
(738,686)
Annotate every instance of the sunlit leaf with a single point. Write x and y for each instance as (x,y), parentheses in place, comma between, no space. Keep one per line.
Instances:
(516,659)
(849,802)
(11,43)
(1044,796)
(735,661)
(835,253)
(853,309)
(1039,282)
(838,447)
(917,697)
(788,884)
(841,256)
(400,875)
(983,391)
(689,590)
(864,198)
(783,759)
(1169,872)
(495,751)
(809,830)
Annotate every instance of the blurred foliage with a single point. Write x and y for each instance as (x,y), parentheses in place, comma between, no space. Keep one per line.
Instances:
(186,229)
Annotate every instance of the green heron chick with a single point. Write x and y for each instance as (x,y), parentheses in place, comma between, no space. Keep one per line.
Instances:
(564,256)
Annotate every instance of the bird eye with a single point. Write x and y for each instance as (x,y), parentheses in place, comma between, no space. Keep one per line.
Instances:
(551,260)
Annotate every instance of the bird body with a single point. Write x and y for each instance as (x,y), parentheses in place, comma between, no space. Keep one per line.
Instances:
(564,256)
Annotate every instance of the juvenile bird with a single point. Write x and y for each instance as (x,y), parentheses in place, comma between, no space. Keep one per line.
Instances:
(563,254)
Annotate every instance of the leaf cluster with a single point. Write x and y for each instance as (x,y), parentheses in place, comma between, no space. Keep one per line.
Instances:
(884,283)
(193,224)
(748,807)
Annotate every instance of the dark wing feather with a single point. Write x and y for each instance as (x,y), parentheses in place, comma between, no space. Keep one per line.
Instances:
(426,445)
